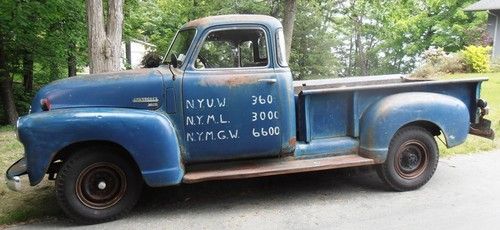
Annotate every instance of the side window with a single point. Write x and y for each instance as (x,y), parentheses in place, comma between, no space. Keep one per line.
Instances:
(280,48)
(234,48)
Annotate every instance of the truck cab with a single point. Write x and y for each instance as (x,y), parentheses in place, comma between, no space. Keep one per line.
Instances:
(224,106)
(236,92)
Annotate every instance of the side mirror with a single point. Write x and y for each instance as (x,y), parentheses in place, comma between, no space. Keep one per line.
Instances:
(173,61)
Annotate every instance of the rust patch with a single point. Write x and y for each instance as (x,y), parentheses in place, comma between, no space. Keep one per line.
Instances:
(293,141)
(230,19)
(370,155)
(199,22)
(269,167)
(230,81)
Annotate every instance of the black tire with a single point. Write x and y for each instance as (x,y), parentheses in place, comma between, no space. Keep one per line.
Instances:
(411,161)
(97,184)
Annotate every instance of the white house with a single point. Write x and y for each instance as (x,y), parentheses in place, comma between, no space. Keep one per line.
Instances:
(493,9)
(133,52)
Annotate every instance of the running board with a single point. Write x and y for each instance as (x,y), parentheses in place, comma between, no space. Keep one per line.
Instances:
(269,167)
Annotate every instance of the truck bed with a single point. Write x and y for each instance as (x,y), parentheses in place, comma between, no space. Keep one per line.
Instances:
(332,108)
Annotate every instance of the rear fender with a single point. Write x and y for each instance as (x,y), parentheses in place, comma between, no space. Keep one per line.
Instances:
(148,136)
(384,118)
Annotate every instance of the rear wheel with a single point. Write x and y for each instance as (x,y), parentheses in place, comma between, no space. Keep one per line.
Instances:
(97,185)
(411,160)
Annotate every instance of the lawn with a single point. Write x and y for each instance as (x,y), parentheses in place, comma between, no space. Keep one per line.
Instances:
(39,201)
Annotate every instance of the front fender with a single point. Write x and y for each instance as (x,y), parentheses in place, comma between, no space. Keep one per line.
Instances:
(384,118)
(148,136)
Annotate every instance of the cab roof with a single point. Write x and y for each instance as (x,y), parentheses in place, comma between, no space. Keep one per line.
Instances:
(206,22)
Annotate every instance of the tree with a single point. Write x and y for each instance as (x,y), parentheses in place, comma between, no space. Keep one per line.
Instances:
(35,44)
(314,41)
(104,35)
(6,85)
(288,23)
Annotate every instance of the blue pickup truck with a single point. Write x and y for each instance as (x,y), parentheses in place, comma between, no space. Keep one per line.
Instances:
(224,106)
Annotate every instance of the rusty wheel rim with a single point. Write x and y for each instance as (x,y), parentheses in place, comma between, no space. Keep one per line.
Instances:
(411,159)
(101,185)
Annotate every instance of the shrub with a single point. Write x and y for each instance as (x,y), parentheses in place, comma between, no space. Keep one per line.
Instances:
(437,62)
(477,58)
(425,71)
(151,60)
(453,63)
(433,55)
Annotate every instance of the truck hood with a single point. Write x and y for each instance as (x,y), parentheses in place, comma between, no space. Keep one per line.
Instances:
(141,89)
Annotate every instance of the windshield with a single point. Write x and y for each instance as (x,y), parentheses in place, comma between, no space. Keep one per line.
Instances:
(181,45)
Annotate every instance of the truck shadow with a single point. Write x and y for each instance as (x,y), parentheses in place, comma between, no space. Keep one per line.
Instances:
(207,197)
(275,190)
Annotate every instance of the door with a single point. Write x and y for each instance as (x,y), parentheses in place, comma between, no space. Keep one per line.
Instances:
(231,99)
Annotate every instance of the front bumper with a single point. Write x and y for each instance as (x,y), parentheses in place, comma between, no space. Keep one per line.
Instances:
(14,173)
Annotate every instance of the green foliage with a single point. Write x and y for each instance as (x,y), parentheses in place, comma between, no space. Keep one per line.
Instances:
(331,37)
(46,30)
(314,41)
(477,58)
(22,98)
(409,27)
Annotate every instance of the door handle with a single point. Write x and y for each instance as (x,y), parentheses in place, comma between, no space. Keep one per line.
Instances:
(270,81)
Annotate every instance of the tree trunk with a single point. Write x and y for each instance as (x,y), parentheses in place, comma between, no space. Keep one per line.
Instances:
(6,96)
(71,60)
(114,30)
(104,40)
(128,54)
(288,22)
(28,71)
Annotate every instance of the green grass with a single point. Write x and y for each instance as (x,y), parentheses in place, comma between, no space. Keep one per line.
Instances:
(31,203)
(39,201)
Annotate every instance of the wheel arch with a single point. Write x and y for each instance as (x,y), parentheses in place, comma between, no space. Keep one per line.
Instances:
(66,152)
(148,137)
(437,113)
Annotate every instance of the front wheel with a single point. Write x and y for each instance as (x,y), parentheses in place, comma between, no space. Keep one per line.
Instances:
(97,185)
(411,161)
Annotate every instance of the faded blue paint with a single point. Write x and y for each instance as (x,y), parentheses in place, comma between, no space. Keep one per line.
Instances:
(103,90)
(208,115)
(148,136)
(384,118)
(327,147)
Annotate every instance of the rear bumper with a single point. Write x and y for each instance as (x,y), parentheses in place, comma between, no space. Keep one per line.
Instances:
(14,173)
(482,127)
